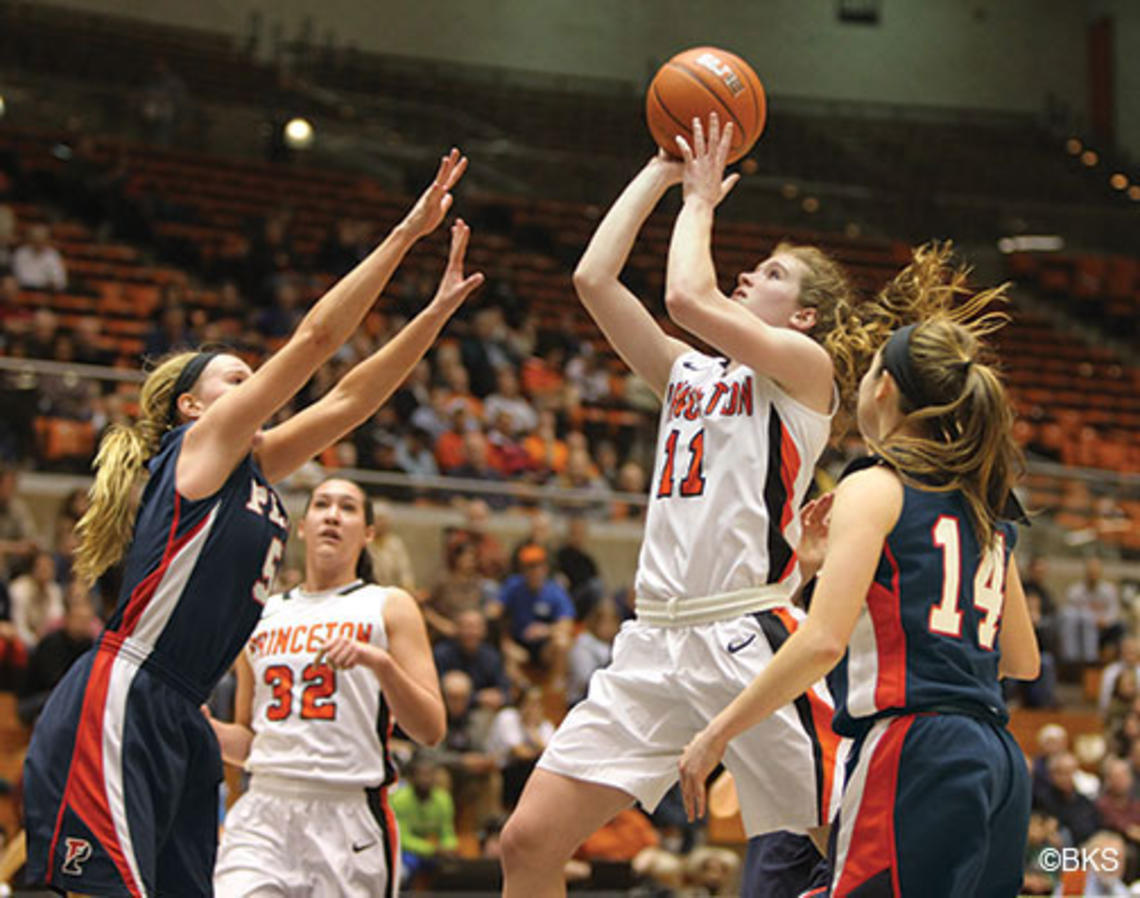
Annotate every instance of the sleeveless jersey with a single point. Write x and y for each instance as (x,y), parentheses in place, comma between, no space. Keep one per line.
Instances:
(311,721)
(735,458)
(197,573)
(927,638)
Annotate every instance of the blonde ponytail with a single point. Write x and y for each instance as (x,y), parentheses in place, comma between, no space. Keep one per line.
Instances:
(105,530)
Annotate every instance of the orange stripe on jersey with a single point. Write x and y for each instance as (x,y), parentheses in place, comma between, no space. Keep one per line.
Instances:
(873,848)
(821,714)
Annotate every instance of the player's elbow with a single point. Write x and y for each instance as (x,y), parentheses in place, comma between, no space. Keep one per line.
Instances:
(681,301)
(433,729)
(824,647)
(588,280)
(1026,668)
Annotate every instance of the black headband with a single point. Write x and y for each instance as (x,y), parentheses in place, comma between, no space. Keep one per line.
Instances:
(187,377)
(896,359)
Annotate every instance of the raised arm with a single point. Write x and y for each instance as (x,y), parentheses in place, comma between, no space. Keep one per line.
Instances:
(797,363)
(366,387)
(225,432)
(406,670)
(622,317)
(1020,654)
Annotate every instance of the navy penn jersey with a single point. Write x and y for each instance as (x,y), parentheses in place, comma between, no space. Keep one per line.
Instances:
(927,637)
(198,572)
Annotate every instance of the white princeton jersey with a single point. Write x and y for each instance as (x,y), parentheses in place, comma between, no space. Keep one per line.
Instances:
(310,721)
(735,459)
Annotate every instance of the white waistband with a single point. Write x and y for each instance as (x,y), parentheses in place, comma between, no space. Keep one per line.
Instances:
(685,611)
(302,790)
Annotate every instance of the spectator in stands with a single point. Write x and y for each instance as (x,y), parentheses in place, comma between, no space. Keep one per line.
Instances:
(547,452)
(540,532)
(56,652)
(18,536)
(40,340)
(580,475)
(576,567)
(484,352)
(425,814)
(348,242)
(13,652)
(391,563)
(1100,599)
(622,839)
(1052,740)
(12,314)
(468,651)
(631,480)
(1133,758)
(66,542)
(513,460)
(587,374)
(66,395)
(539,615)
(606,459)
(37,264)
(462,588)
(171,331)
(89,349)
(413,392)
(712,871)
(543,375)
(1129,661)
(459,386)
(7,237)
(281,317)
(1119,809)
(479,463)
(37,599)
(473,771)
(1103,874)
(592,649)
(508,399)
(414,455)
(1042,876)
(434,419)
(518,736)
(1061,799)
(491,557)
(450,449)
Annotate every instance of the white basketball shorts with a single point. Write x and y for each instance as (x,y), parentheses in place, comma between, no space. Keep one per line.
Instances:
(291,839)
(666,683)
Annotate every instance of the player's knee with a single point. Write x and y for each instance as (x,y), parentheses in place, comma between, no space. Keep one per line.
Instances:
(523,843)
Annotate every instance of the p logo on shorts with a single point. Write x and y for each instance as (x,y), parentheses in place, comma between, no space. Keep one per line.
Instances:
(78,853)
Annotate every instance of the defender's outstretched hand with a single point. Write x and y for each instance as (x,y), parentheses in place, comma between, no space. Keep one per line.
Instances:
(704,162)
(454,288)
(431,208)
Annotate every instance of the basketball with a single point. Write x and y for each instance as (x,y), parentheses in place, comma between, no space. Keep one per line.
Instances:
(699,81)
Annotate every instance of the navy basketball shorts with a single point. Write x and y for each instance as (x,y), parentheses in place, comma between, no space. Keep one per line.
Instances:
(121,785)
(935,805)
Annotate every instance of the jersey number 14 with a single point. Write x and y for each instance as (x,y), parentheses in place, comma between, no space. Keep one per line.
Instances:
(989,585)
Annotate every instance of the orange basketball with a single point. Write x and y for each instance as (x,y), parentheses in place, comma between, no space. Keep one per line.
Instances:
(699,81)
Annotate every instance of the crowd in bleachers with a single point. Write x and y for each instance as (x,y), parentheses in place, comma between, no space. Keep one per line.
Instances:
(96,241)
